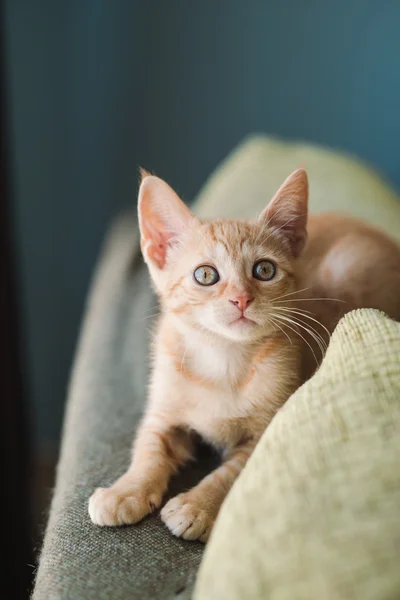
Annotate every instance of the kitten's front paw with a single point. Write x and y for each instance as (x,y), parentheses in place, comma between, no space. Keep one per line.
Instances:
(184,518)
(116,506)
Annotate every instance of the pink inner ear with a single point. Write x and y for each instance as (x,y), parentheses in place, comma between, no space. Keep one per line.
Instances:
(157,254)
(287,211)
(290,225)
(162,218)
(155,239)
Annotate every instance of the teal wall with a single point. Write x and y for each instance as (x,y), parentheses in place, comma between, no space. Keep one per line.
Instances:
(96,88)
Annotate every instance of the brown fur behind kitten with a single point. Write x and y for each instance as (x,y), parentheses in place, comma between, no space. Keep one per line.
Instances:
(348,260)
(247,308)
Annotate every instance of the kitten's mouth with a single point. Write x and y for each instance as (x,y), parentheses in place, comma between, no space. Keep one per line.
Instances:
(242,321)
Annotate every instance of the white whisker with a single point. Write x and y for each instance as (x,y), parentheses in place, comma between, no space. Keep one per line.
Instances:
(273,321)
(305,316)
(296,292)
(183,357)
(312,299)
(311,331)
(152,316)
(301,336)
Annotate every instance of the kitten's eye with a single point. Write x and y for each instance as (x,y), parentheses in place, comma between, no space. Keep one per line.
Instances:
(206,275)
(264,270)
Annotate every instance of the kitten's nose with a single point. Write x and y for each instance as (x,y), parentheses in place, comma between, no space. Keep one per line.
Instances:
(242,302)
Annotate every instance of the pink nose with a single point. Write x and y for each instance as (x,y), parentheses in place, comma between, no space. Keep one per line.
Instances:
(242,302)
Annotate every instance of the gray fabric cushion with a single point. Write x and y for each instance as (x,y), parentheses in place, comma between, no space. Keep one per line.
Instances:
(80,560)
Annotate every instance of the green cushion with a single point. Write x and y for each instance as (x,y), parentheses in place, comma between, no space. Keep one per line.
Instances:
(315,513)
(107,392)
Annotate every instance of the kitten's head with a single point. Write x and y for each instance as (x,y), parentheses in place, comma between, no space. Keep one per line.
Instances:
(223,276)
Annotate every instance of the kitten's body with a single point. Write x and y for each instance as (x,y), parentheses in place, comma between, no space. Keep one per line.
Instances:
(228,355)
(348,260)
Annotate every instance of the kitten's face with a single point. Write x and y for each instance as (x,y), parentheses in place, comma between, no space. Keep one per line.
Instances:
(223,277)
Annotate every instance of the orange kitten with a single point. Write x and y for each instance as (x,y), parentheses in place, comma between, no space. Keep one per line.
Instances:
(247,308)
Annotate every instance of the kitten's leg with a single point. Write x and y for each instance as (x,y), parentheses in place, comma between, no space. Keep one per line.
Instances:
(191,515)
(158,452)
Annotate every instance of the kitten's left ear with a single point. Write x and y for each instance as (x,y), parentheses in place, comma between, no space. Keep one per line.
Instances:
(162,218)
(287,211)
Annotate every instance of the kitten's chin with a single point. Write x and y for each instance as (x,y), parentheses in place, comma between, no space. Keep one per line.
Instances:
(239,330)
(243,330)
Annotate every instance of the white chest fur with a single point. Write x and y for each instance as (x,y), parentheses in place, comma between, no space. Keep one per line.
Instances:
(224,391)
(219,364)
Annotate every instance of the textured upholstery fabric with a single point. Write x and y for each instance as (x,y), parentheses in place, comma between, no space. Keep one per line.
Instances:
(106,396)
(315,513)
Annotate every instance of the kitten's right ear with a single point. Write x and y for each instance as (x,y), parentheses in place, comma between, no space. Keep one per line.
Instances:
(163,217)
(287,211)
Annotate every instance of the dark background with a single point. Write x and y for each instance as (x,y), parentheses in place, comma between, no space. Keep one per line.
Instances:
(94,88)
